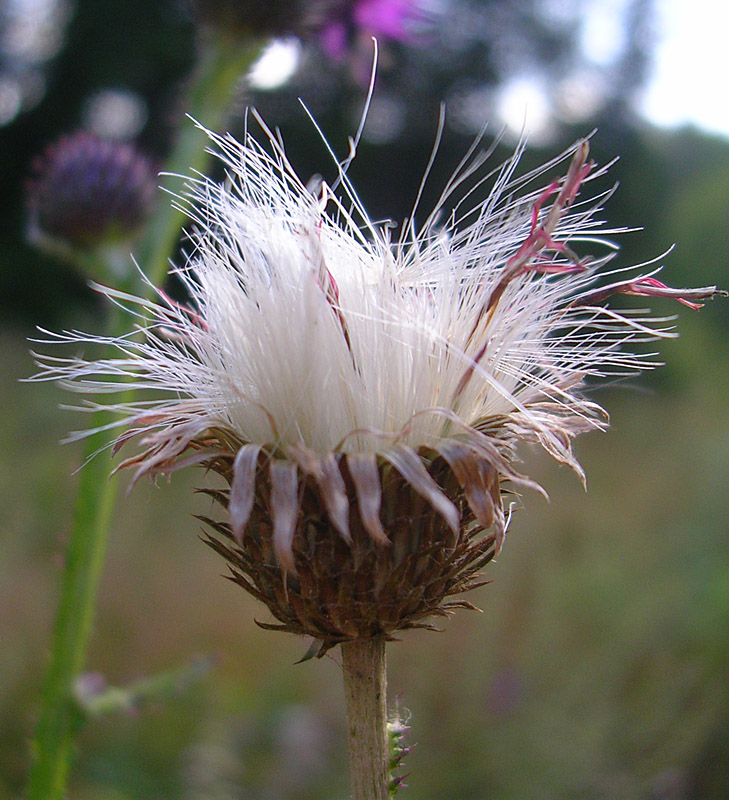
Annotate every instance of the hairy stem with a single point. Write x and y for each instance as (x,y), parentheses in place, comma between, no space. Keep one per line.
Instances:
(221,66)
(365,689)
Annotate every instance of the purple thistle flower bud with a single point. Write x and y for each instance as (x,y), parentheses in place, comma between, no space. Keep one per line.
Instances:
(85,190)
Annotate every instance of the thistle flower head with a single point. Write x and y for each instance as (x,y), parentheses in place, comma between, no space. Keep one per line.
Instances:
(362,393)
(85,190)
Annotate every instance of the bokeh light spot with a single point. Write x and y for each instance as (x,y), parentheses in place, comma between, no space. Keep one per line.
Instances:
(385,120)
(10,99)
(115,114)
(524,108)
(276,65)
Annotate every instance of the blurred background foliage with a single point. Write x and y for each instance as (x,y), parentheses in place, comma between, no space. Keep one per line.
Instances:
(600,668)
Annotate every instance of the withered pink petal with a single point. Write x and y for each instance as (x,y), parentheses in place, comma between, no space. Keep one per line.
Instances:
(652,287)
(407,462)
(325,472)
(163,448)
(366,479)
(242,488)
(284,510)
(334,494)
(490,453)
(307,459)
(649,286)
(467,468)
(184,462)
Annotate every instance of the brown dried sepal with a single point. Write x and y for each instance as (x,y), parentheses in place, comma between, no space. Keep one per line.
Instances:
(337,585)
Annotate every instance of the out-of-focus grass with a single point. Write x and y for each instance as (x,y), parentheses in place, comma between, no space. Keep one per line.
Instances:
(598,670)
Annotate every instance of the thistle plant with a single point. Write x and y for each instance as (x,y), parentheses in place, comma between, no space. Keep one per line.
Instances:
(363,394)
(89,204)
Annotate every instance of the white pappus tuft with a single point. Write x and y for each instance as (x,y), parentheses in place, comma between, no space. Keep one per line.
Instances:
(309,327)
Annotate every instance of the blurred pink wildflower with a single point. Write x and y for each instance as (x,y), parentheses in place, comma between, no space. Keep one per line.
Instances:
(399,20)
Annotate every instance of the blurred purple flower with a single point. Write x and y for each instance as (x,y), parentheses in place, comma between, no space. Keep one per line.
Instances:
(85,190)
(391,18)
(399,20)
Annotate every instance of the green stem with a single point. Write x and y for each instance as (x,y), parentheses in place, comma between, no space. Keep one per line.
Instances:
(365,690)
(222,63)
(59,716)
(221,66)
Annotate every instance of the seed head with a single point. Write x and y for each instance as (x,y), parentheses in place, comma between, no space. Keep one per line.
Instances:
(363,396)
